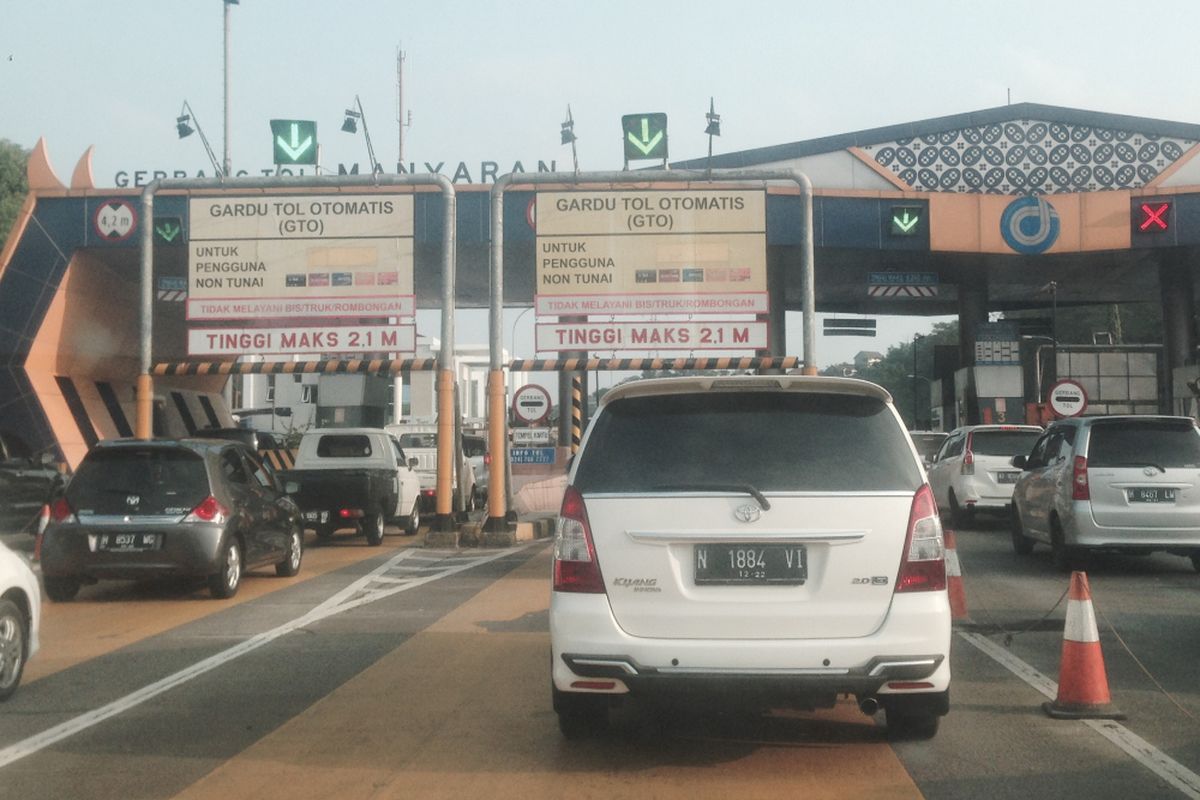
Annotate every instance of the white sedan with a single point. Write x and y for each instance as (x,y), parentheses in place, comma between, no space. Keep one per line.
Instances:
(20,614)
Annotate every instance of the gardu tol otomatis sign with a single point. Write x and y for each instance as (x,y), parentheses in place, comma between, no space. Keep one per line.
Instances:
(299,257)
(668,252)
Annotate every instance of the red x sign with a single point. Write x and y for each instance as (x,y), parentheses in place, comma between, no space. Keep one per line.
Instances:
(1154,217)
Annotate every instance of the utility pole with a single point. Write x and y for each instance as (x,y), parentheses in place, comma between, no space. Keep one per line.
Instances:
(228,163)
(401,121)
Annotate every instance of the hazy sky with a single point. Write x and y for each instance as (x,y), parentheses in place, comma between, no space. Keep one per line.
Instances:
(491,81)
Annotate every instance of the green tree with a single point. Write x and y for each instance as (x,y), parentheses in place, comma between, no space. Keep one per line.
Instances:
(893,371)
(13,186)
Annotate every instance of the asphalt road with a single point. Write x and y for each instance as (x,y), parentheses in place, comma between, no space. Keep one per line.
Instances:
(405,672)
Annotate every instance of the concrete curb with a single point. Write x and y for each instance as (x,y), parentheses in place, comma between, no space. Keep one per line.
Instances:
(472,534)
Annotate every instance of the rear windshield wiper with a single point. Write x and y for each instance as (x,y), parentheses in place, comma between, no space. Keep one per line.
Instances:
(716,487)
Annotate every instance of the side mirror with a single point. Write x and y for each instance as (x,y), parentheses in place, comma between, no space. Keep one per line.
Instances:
(412,463)
(1020,461)
(46,461)
(291,487)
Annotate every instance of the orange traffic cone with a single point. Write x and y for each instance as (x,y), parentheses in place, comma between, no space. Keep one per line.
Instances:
(954,582)
(1082,680)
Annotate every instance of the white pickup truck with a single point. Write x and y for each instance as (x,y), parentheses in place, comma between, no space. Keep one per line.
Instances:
(419,441)
(354,477)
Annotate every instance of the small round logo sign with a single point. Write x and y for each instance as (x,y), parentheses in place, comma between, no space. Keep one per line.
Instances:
(531,403)
(1029,225)
(1067,399)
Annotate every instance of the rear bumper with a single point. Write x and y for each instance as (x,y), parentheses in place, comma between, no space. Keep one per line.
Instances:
(192,550)
(984,495)
(1082,530)
(908,654)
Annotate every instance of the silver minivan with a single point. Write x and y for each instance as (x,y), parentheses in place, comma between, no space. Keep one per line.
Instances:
(1123,483)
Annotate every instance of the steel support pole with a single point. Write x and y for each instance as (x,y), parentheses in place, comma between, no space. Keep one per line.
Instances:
(1177,290)
(498,423)
(228,163)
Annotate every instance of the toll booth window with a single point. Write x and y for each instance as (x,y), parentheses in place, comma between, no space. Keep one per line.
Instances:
(344,446)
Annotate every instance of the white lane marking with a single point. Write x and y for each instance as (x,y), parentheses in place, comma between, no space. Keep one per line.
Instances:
(1139,749)
(343,600)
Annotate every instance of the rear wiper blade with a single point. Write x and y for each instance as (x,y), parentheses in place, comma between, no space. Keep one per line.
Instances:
(716,487)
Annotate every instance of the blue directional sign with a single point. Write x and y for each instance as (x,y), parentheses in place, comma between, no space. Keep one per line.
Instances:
(532,455)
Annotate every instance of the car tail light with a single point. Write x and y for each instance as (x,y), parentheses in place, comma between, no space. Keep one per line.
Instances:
(350,513)
(61,511)
(968,462)
(923,568)
(575,565)
(209,510)
(1079,481)
(487,459)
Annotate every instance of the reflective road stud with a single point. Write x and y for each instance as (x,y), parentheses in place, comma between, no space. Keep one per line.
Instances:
(1082,680)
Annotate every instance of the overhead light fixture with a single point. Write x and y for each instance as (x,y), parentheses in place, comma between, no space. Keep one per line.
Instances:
(186,124)
(181,125)
(714,120)
(568,137)
(350,125)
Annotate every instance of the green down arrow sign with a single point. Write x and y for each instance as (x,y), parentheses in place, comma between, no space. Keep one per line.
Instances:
(645,136)
(167,230)
(294,140)
(905,220)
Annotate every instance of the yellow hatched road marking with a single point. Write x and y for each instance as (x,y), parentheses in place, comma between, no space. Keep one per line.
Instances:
(463,710)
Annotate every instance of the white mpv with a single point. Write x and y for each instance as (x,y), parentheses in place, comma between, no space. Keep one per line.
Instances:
(765,540)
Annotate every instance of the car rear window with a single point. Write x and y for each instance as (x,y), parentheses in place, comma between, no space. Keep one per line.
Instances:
(927,444)
(1134,443)
(418,440)
(344,445)
(1003,443)
(138,481)
(773,441)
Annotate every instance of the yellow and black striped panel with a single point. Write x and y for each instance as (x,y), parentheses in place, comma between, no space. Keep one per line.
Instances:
(369,366)
(593,364)
(280,458)
(576,411)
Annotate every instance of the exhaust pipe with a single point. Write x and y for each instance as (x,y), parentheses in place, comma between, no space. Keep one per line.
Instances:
(868,705)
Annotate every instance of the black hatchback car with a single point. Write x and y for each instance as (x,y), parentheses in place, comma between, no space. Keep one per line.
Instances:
(170,508)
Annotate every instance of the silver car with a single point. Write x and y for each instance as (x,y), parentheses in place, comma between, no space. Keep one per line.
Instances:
(1123,483)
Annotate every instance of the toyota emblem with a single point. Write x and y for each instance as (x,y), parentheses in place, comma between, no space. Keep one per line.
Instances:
(747,513)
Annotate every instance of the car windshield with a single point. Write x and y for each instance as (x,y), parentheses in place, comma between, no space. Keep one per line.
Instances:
(773,441)
(135,481)
(1163,443)
(1003,443)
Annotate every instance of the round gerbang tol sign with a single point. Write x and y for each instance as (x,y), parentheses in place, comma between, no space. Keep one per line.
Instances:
(1067,399)
(531,404)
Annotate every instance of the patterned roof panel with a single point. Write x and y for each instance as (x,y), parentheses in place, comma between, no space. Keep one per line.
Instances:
(1028,157)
